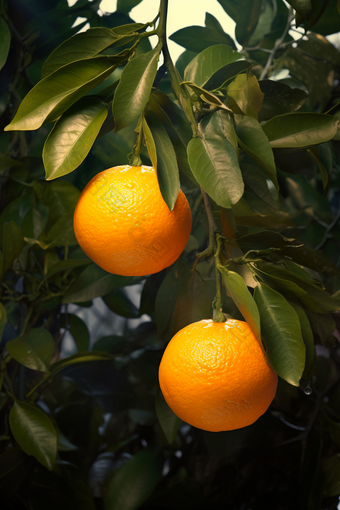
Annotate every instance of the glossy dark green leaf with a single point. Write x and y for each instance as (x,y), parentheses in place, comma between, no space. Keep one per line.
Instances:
(84,45)
(292,248)
(168,420)
(246,92)
(281,334)
(34,433)
(62,233)
(134,88)
(94,282)
(60,197)
(5,41)
(300,129)
(279,99)
(167,296)
(66,265)
(256,181)
(53,95)
(78,359)
(308,338)
(206,96)
(34,221)
(197,38)
(307,291)
(208,62)
(214,163)
(72,137)
(111,343)
(303,7)
(238,291)
(322,155)
(331,480)
(246,14)
(12,244)
(254,142)
(167,167)
(33,350)
(3,319)
(193,303)
(246,215)
(150,143)
(264,24)
(119,303)
(127,5)
(134,482)
(175,115)
(78,329)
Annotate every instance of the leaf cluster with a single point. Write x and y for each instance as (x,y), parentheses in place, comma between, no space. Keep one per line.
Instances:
(254,123)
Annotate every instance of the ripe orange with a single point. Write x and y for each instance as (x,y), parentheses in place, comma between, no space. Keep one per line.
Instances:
(215,376)
(123,224)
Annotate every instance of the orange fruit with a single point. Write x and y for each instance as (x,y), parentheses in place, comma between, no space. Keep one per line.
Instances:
(123,224)
(214,376)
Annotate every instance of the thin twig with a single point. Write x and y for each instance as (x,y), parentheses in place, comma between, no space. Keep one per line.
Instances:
(328,231)
(277,46)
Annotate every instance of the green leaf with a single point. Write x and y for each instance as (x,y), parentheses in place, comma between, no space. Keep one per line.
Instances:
(119,303)
(72,137)
(331,478)
(60,197)
(246,14)
(198,38)
(322,155)
(290,247)
(193,303)
(53,95)
(167,296)
(168,420)
(254,142)
(78,329)
(308,338)
(281,334)
(94,282)
(85,45)
(62,233)
(3,319)
(308,291)
(279,99)
(300,129)
(303,7)
(208,62)
(12,244)
(175,115)
(127,5)
(5,41)
(66,265)
(134,482)
(167,167)
(150,144)
(256,181)
(238,291)
(33,350)
(133,91)
(206,96)
(214,163)
(79,358)
(111,343)
(246,92)
(34,433)
(34,221)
